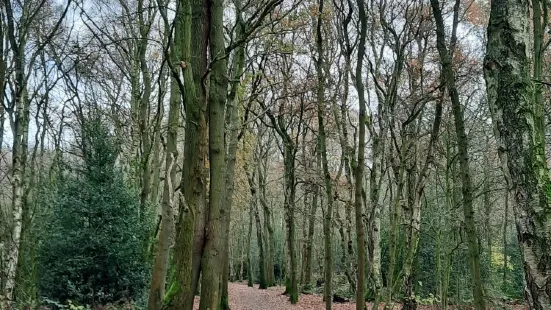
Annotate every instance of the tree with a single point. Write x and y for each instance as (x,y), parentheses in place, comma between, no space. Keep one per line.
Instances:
(17,34)
(91,251)
(322,142)
(449,80)
(359,172)
(170,196)
(515,114)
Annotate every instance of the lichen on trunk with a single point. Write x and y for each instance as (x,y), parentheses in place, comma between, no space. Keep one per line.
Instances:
(511,99)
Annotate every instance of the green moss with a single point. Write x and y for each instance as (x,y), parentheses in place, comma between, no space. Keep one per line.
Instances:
(293,297)
(173,290)
(224,304)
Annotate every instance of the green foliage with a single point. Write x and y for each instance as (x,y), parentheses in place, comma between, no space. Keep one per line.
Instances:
(92,251)
(514,286)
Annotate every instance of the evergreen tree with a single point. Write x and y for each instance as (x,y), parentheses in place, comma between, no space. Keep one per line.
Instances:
(92,251)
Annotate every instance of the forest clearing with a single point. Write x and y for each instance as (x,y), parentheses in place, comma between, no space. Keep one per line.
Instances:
(275,154)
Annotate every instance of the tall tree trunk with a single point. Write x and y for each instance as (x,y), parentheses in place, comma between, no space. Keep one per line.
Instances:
(327,221)
(359,172)
(511,100)
(487,204)
(250,281)
(290,190)
(270,244)
(143,106)
(462,144)
(310,237)
(166,234)
(164,242)
(374,232)
(305,211)
(254,205)
(232,116)
(189,234)
(200,30)
(211,262)
(20,130)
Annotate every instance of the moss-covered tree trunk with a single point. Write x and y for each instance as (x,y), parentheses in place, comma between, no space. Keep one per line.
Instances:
(511,100)
(193,184)
(212,255)
(200,29)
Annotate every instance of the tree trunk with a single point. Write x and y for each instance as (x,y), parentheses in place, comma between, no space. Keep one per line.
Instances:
(164,243)
(510,97)
(289,205)
(143,106)
(270,244)
(374,232)
(19,158)
(462,144)
(200,29)
(290,190)
(190,225)
(232,116)
(211,261)
(310,238)
(261,254)
(166,234)
(250,281)
(305,211)
(359,172)
(327,221)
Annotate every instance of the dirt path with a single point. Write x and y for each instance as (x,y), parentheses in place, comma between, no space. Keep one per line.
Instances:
(243,297)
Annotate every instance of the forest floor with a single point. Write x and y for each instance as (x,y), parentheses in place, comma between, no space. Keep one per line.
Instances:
(243,297)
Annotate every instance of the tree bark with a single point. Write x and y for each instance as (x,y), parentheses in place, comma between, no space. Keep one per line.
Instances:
(211,261)
(250,281)
(164,243)
(359,172)
(254,205)
(20,106)
(232,117)
(327,221)
(270,244)
(190,230)
(511,100)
